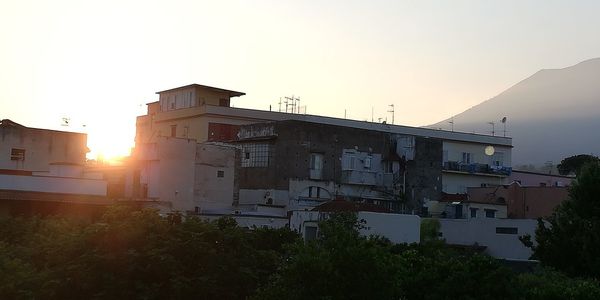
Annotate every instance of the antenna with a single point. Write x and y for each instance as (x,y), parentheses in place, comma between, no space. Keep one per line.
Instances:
(452,123)
(65,121)
(392,111)
(493,129)
(279,104)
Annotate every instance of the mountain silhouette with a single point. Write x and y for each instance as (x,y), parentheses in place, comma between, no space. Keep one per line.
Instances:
(553,114)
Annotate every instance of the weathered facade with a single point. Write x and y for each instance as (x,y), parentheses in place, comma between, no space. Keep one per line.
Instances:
(301,164)
(32,149)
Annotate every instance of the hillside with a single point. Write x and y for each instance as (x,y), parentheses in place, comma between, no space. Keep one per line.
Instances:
(553,114)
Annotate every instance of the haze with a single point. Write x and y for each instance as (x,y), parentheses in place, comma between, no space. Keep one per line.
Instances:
(99,63)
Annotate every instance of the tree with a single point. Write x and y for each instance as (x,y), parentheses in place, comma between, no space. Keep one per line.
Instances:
(573,164)
(569,239)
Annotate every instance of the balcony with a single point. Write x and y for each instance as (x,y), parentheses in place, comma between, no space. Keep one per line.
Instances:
(361,177)
(476,169)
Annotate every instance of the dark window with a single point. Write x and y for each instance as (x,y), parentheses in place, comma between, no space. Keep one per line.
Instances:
(173,130)
(310,233)
(220,174)
(507,230)
(490,213)
(256,155)
(473,212)
(458,211)
(17,154)
(224,102)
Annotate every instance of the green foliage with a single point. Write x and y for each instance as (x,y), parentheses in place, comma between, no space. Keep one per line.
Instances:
(573,164)
(552,285)
(430,229)
(136,254)
(569,240)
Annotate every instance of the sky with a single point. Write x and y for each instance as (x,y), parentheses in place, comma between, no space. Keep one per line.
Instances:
(98,62)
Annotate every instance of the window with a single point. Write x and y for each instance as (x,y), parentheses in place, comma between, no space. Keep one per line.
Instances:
(17,154)
(256,155)
(490,213)
(316,166)
(173,130)
(368,162)
(507,230)
(314,192)
(467,158)
(220,174)
(474,212)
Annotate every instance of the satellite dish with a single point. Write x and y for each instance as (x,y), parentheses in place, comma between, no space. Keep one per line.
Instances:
(489,150)
(504,120)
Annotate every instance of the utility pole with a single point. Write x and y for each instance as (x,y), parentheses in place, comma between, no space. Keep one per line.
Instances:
(392,111)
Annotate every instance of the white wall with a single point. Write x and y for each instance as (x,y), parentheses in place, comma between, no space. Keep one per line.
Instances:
(398,228)
(453,183)
(48,184)
(210,191)
(455,150)
(483,233)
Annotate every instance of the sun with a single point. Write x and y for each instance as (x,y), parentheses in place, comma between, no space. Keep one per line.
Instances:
(109,146)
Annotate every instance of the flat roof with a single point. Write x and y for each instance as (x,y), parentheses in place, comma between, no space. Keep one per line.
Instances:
(195,85)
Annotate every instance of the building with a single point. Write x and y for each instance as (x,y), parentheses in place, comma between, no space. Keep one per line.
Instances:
(298,164)
(32,149)
(454,162)
(521,202)
(43,171)
(178,174)
(526,178)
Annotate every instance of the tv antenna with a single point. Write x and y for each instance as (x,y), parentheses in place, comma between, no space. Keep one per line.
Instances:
(493,128)
(452,123)
(392,111)
(65,121)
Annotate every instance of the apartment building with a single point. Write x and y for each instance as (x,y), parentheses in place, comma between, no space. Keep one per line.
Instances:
(204,114)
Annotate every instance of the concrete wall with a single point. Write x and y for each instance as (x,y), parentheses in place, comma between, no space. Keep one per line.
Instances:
(41,146)
(48,184)
(455,149)
(457,183)
(214,185)
(398,228)
(169,174)
(483,232)
(292,143)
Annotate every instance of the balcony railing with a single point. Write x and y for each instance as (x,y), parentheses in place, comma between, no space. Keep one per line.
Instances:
(477,168)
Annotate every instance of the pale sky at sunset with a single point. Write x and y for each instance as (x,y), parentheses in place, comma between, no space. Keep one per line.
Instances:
(99,62)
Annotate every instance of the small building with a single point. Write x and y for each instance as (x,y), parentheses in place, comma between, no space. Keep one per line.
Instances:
(33,149)
(526,178)
(43,171)
(462,206)
(522,202)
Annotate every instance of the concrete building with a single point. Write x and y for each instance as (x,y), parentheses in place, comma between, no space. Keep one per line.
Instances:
(526,178)
(33,149)
(204,114)
(462,206)
(521,202)
(43,171)
(181,175)
(299,165)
